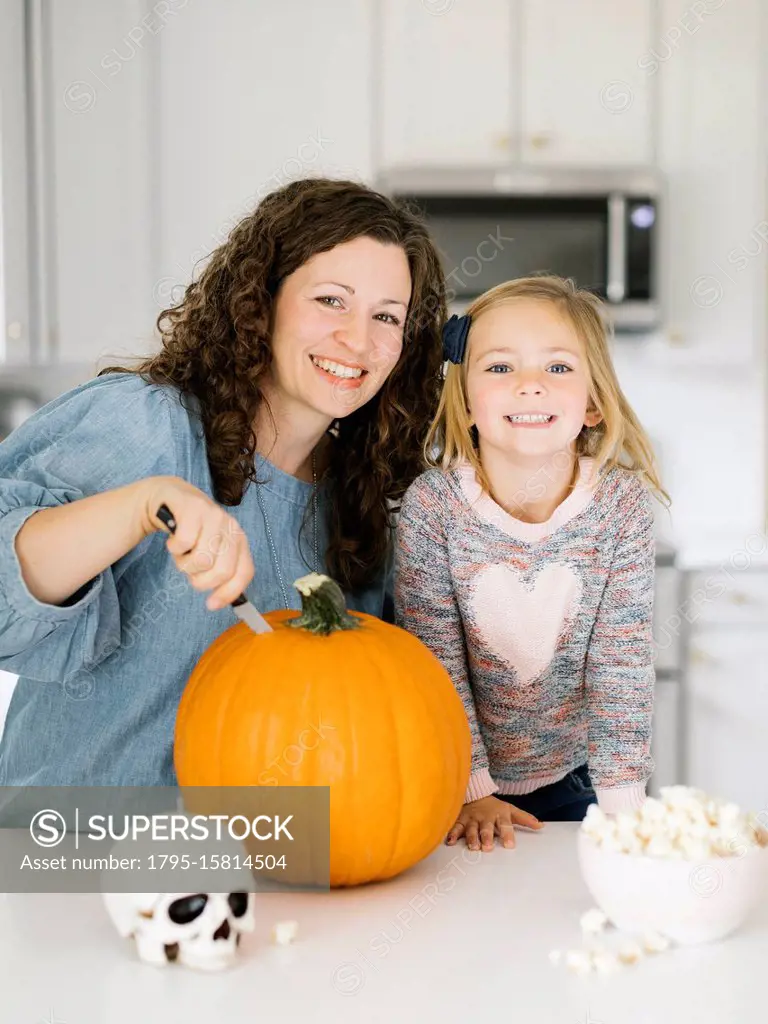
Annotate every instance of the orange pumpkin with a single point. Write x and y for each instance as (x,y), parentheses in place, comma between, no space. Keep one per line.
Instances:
(389,734)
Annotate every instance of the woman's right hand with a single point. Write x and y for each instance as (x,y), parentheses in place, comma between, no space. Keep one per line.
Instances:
(481,820)
(209,545)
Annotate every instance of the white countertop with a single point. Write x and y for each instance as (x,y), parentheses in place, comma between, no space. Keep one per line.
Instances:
(383,953)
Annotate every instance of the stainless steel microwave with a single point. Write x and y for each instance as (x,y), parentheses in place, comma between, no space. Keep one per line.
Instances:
(598,226)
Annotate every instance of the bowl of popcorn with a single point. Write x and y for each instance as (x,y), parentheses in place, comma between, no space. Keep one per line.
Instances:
(686,865)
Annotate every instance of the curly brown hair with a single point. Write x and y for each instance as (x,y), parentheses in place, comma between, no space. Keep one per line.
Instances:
(216,345)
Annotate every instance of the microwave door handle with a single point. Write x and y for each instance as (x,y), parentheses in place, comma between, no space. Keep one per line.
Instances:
(616,286)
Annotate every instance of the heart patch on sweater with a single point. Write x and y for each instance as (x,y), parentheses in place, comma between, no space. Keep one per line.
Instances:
(521,622)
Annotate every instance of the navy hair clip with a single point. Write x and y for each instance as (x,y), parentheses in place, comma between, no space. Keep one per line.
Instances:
(455,334)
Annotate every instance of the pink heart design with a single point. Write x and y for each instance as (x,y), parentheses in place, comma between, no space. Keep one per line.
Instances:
(521,624)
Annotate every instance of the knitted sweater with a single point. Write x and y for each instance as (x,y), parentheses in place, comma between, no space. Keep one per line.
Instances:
(544,628)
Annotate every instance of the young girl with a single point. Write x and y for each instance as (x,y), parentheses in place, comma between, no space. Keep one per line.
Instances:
(525,560)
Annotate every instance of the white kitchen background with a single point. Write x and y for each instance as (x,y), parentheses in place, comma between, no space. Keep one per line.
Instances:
(133,135)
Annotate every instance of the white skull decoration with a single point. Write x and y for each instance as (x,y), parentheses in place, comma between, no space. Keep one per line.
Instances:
(200,930)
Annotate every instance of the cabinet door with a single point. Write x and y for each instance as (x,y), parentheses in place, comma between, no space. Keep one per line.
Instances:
(727,715)
(169,123)
(446,88)
(98,166)
(725,596)
(666,619)
(253,96)
(15,327)
(586,98)
(711,145)
(665,745)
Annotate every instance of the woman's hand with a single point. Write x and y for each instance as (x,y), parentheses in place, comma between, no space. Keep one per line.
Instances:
(209,545)
(481,820)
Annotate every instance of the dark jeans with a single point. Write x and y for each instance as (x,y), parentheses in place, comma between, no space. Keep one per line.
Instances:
(566,800)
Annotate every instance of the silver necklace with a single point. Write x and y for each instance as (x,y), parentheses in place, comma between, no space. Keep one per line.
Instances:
(272,547)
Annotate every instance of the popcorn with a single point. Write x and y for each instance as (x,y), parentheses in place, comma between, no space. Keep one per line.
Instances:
(729,816)
(596,956)
(579,961)
(655,942)
(676,823)
(630,953)
(613,844)
(660,846)
(683,824)
(595,820)
(757,830)
(284,932)
(605,961)
(694,848)
(634,846)
(593,922)
(680,796)
(652,810)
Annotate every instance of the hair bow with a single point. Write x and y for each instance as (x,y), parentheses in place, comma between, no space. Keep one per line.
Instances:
(455,334)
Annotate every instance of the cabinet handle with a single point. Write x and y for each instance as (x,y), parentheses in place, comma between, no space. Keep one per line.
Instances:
(739,597)
(502,141)
(700,657)
(541,140)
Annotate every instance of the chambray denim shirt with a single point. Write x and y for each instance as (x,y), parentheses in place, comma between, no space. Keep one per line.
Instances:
(101,678)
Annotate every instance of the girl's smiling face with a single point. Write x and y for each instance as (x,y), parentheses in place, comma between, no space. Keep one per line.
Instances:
(527,380)
(338,326)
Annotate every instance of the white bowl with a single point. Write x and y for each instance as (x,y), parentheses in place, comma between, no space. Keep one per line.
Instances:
(688,901)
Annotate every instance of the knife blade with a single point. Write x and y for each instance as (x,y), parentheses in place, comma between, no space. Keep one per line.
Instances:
(241,606)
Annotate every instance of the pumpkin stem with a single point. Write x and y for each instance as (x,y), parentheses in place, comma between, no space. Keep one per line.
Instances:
(323,609)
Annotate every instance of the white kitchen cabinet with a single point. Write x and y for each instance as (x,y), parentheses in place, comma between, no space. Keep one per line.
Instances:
(585,98)
(712,145)
(665,744)
(545,81)
(99,164)
(17,344)
(252,96)
(726,706)
(666,626)
(169,122)
(728,596)
(446,82)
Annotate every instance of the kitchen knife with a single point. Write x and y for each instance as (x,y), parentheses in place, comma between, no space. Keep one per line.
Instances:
(241,605)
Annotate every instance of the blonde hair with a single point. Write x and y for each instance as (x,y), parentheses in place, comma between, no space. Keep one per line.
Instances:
(618,440)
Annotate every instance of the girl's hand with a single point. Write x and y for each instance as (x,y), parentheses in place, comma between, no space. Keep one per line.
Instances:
(209,545)
(481,820)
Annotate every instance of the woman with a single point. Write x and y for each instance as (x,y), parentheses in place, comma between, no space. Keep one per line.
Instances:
(281,423)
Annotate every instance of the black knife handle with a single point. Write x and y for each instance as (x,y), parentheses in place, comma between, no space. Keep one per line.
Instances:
(168,519)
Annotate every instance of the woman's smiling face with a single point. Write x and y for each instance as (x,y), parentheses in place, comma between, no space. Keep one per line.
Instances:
(338,326)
